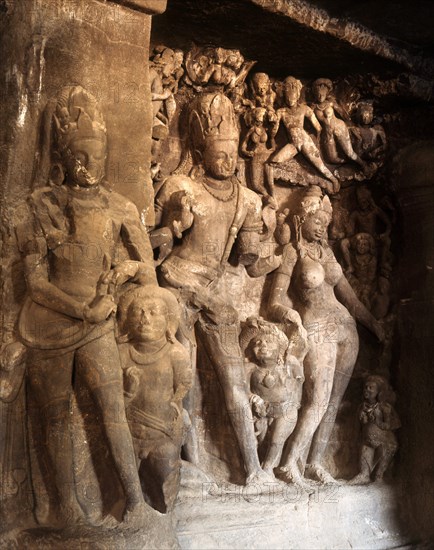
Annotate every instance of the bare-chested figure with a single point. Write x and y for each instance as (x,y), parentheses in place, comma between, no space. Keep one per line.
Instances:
(293,117)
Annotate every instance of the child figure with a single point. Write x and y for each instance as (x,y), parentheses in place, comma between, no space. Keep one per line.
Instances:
(157,375)
(379,420)
(276,380)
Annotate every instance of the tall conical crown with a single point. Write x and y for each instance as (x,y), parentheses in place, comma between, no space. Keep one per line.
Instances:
(77,116)
(212,117)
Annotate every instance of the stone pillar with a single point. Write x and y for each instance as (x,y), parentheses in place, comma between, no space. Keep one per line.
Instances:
(103,47)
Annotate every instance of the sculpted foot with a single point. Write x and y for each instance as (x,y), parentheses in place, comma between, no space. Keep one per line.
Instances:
(360,479)
(260,476)
(317,472)
(291,474)
(135,515)
(71,516)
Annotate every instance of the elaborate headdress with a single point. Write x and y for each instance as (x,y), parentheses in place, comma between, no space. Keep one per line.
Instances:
(257,77)
(293,81)
(85,120)
(73,114)
(312,202)
(212,117)
(323,82)
(259,328)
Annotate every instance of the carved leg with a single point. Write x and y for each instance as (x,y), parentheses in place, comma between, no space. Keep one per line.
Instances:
(186,335)
(366,466)
(269,175)
(344,140)
(329,146)
(49,385)
(224,351)
(98,366)
(160,473)
(281,429)
(346,357)
(319,366)
(257,177)
(312,154)
(187,338)
(386,454)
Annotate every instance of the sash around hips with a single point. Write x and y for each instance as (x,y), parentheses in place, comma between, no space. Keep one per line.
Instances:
(42,328)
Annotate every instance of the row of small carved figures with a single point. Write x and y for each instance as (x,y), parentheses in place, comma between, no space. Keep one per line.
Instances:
(264,104)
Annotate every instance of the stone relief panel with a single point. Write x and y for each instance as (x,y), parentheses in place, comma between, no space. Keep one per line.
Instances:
(227,334)
(318,257)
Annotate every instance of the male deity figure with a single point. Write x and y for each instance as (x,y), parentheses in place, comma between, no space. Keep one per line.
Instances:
(371,142)
(81,243)
(219,216)
(293,116)
(368,218)
(164,73)
(157,376)
(335,131)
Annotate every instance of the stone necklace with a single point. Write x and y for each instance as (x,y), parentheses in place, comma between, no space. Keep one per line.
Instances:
(315,251)
(149,357)
(219,194)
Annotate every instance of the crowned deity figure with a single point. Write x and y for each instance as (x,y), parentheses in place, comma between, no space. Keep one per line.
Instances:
(216,216)
(81,243)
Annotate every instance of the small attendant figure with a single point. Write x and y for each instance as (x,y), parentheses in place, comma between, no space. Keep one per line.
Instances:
(276,379)
(379,420)
(157,375)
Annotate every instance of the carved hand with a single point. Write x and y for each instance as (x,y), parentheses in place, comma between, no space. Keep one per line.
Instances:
(258,405)
(378,330)
(11,356)
(121,273)
(293,316)
(131,380)
(174,406)
(100,311)
(364,418)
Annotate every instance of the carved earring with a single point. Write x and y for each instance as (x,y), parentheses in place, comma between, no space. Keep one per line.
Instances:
(197,172)
(57,174)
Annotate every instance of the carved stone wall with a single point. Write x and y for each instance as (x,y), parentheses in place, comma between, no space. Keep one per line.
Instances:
(216,275)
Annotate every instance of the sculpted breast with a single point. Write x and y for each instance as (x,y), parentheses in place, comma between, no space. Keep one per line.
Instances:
(310,274)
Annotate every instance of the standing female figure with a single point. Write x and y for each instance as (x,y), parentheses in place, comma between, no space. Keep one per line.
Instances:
(311,291)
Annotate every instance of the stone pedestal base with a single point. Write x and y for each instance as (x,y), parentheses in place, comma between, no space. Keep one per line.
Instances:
(280,516)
